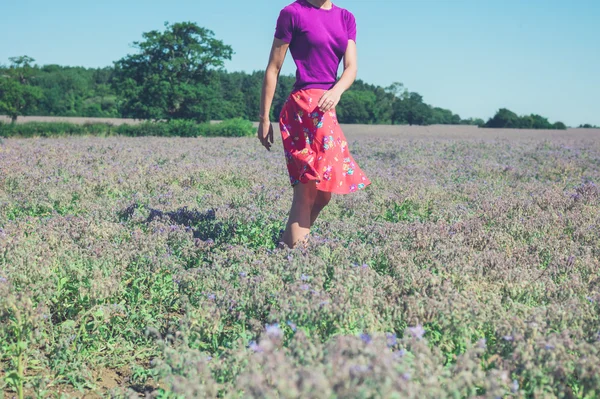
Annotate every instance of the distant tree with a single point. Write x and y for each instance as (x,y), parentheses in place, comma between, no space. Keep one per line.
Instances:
(399,93)
(170,76)
(473,121)
(440,116)
(412,110)
(588,126)
(356,107)
(559,126)
(504,118)
(17,95)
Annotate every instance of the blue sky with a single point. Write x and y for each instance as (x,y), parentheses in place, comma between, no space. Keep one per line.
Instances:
(471,56)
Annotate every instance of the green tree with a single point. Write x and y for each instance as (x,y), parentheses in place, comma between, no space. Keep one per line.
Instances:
(441,116)
(412,110)
(170,76)
(356,107)
(399,93)
(504,118)
(17,95)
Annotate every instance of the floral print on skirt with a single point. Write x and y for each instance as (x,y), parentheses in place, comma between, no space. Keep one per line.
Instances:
(315,147)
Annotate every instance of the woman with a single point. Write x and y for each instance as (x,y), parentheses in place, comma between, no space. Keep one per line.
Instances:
(319,34)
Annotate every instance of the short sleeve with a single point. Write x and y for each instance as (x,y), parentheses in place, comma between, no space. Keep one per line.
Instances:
(285,25)
(351,26)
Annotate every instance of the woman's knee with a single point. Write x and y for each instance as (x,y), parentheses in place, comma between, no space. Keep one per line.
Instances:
(305,194)
(322,199)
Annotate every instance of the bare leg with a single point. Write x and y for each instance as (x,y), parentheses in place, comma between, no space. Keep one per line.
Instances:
(321,201)
(298,225)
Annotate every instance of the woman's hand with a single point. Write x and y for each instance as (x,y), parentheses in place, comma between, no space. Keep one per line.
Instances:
(265,133)
(329,100)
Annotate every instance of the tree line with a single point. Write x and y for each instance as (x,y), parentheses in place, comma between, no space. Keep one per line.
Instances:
(178,74)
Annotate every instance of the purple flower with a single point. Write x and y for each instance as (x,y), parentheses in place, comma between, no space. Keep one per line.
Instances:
(3,280)
(549,347)
(589,298)
(358,369)
(243,274)
(391,339)
(418,331)
(323,303)
(304,277)
(365,266)
(211,296)
(304,287)
(254,346)
(273,330)
(406,376)
(366,338)
(507,337)
(399,353)
(292,325)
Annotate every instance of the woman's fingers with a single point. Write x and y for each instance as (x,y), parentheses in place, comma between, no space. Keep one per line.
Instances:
(323,100)
(265,135)
(328,105)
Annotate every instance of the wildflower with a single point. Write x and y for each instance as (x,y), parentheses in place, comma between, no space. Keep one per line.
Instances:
(304,277)
(589,298)
(507,337)
(273,330)
(391,339)
(515,386)
(358,369)
(211,296)
(549,347)
(406,376)
(254,346)
(417,331)
(366,338)
(304,287)
(292,325)
(365,266)
(323,303)
(243,274)
(3,279)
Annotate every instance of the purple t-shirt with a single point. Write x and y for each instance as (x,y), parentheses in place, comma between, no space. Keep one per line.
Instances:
(318,40)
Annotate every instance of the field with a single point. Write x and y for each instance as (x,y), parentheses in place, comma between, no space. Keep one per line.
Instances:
(469,268)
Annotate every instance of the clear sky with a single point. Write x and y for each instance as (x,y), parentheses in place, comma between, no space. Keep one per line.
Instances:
(470,56)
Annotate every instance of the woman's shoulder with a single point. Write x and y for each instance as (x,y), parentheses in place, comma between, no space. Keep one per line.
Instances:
(346,13)
(292,8)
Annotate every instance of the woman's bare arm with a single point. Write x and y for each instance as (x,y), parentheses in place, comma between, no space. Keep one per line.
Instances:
(331,98)
(276,58)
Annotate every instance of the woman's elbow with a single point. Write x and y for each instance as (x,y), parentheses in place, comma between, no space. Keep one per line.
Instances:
(273,69)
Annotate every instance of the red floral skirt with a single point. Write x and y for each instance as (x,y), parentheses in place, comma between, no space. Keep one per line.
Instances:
(315,147)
